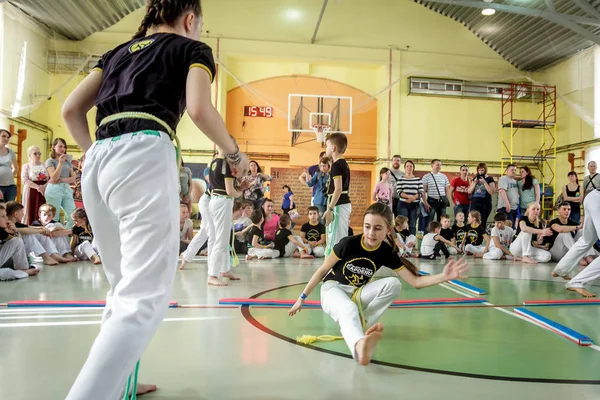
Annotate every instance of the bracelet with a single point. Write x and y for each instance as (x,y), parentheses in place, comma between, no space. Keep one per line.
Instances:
(303,296)
(235,157)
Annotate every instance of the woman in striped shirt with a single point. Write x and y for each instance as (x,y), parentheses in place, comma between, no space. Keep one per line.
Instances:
(410,191)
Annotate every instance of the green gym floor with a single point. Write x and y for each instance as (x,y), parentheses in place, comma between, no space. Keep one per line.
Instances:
(217,353)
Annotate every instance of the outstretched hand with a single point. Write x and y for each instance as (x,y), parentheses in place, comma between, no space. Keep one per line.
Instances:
(296,307)
(456,269)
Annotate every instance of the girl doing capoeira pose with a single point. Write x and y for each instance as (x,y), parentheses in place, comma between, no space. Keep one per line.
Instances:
(350,268)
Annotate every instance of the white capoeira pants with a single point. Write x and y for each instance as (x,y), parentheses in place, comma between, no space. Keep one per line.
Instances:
(591,232)
(221,210)
(470,248)
(15,249)
(202,236)
(338,228)
(413,239)
(495,253)
(136,229)
(522,247)
(376,297)
(86,250)
(62,242)
(39,244)
(317,251)
(564,242)
(263,253)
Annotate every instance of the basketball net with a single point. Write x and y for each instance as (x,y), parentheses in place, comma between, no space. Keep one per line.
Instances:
(321,131)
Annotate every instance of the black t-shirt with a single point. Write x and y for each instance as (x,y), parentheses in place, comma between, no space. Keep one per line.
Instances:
(254,231)
(313,232)
(219,173)
(474,235)
(82,235)
(357,265)
(447,234)
(531,225)
(282,238)
(549,240)
(20,225)
(404,234)
(459,233)
(4,236)
(148,75)
(340,169)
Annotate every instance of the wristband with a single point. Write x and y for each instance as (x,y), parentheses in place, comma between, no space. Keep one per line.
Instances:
(235,157)
(303,296)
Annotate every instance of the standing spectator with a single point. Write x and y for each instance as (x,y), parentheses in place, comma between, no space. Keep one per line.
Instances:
(460,191)
(256,192)
(592,181)
(481,190)
(437,192)
(410,190)
(383,191)
(8,168)
(319,184)
(529,189)
(288,200)
(58,192)
(508,194)
(35,178)
(312,170)
(571,193)
(395,175)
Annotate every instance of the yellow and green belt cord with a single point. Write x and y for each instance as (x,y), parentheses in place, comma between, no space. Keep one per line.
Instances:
(150,117)
(309,339)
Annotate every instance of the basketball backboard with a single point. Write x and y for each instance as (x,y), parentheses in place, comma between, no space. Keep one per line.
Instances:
(307,110)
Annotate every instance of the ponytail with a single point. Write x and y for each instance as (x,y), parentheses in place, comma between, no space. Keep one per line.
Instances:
(160,12)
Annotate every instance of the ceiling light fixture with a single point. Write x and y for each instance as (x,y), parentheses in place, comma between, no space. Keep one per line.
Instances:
(488,11)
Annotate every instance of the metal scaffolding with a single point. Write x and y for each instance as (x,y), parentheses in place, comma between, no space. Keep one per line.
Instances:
(541,102)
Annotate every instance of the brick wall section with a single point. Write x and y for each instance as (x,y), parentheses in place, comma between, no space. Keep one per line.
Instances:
(360,192)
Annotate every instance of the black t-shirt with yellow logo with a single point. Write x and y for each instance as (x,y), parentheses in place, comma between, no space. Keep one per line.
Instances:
(148,75)
(219,172)
(313,232)
(474,235)
(357,265)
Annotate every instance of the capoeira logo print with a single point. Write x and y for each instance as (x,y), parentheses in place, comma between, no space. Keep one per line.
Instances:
(359,271)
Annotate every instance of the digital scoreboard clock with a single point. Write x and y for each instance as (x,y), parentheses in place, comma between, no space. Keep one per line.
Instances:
(258,111)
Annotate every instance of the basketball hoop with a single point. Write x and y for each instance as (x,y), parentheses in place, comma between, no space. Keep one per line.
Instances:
(321,131)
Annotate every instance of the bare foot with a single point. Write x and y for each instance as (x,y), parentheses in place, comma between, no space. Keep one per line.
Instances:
(378,327)
(566,277)
(70,257)
(250,257)
(528,260)
(305,255)
(96,260)
(182,266)
(145,389)
(478,255)
(32,271)
(230,275)
(60,259)
(297,255)
(583,262)
(49,260)
(214,281)
(366,346)
(589,259)
(581,291)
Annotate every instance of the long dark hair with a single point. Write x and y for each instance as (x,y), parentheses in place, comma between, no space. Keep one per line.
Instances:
(160,12)
(528,181)
(382,171)
(386,213)
(575,175)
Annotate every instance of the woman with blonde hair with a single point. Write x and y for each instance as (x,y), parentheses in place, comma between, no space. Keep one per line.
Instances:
(530,233)
(34,177)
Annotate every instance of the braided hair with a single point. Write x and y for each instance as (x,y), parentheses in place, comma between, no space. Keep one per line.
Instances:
(385,212)
(160,12)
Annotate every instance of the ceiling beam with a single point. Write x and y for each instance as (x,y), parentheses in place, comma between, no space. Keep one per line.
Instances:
(516,10)
(314,36)
(588,8)
(568,21)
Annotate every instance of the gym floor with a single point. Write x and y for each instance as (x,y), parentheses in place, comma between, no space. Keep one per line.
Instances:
(217,352)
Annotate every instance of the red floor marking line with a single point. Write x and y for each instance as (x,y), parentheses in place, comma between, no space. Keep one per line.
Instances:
(215,306)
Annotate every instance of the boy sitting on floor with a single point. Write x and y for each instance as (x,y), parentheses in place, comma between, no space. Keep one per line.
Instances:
(313,233)
(13,258)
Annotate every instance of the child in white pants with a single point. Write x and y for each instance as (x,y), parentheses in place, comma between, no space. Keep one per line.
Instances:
(502,237)
(256,248)
(339,207)
(313,233)
(351,297)
(591,233)
(530,235)
(37,239)
(130,181)
(82,241)
(60,234)
(475,236)
(13,258)
(287,244)
(404,239)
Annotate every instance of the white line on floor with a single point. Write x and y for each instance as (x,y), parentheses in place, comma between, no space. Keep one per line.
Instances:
(75,323)
(51,316)
(26,310)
